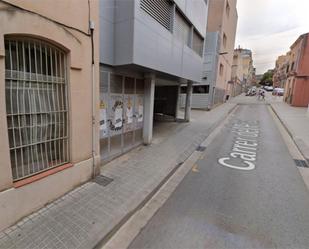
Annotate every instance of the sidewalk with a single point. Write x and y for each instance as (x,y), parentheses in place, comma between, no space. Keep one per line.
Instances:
(90,213)
(296,121)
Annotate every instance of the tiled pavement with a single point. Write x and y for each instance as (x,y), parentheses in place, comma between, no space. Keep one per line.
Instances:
(296,121)
(84,216)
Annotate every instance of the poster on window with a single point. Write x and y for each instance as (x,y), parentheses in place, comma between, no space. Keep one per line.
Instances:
(129,111)
(117,117)
(140,112)
(103,119)
(115,114)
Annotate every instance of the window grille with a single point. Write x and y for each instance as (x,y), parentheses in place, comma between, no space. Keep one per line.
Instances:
(160,10)
(36,106)
(197,44)
(182,29)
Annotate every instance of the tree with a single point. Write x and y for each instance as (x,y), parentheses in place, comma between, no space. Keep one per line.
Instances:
(267,79)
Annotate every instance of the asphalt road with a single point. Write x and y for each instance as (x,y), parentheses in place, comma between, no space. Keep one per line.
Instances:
(256,200)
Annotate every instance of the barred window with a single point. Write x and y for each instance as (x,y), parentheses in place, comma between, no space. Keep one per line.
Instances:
(160,10)
(36,106)
(182,29)
(197,44)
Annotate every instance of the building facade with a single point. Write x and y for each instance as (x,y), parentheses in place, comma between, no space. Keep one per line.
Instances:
(223,18)
(48,117)
(280,71)
(218,55)
(243,72)
(297,84)
(148,49)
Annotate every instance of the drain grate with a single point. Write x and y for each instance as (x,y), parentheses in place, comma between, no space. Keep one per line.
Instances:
(103,180)
(301,163)
(201,148)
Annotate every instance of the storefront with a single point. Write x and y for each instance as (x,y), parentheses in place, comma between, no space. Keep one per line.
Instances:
(121,113)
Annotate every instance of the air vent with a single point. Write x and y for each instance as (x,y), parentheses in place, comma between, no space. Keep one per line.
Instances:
(160,10)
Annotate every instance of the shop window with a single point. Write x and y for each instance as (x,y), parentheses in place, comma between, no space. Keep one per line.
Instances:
(202,89)
(36,106)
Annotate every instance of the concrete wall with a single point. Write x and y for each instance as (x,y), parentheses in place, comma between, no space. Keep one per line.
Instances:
(76,42)
(139,39)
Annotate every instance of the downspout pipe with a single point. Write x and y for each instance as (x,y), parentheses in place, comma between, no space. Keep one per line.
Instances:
(93,94)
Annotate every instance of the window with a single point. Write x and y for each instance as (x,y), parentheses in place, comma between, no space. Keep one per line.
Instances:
(221,69)
(182,29)
(202,89)
(198,43)
(160,10)
(36,106)
(227,9)
(224,40)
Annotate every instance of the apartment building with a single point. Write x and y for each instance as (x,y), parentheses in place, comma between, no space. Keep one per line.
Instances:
(297,84)
(47,75)
(222,18)
(243,72)
(148,49)
(280,74)
(218,55)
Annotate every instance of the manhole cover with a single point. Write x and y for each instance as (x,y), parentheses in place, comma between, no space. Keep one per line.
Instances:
(301,163)
(201,148)
(103,180)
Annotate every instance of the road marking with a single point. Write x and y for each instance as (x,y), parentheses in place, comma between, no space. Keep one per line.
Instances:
(244,148)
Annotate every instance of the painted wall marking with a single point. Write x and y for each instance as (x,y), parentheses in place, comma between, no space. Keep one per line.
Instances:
(244,148)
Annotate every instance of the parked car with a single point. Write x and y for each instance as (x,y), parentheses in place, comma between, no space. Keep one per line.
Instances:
(278,91)
(251,92)
(268,88)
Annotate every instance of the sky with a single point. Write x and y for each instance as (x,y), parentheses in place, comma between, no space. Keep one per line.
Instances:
(270,27)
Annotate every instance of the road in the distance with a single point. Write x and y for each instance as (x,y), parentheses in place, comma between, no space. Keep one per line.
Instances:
(264,204)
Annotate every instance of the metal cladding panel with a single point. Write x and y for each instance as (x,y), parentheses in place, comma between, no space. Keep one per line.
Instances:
(196,12)
(199,101)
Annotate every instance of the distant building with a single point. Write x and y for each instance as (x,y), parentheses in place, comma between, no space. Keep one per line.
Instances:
(243,72)
(218,55)
(297,84)
(280,71)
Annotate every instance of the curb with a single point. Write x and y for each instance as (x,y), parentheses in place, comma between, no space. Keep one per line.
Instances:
(299,147)
(112,231)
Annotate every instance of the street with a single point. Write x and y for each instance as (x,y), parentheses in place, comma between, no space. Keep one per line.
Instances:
(246,192)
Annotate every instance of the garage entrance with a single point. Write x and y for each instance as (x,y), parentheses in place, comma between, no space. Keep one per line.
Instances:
(165,103)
